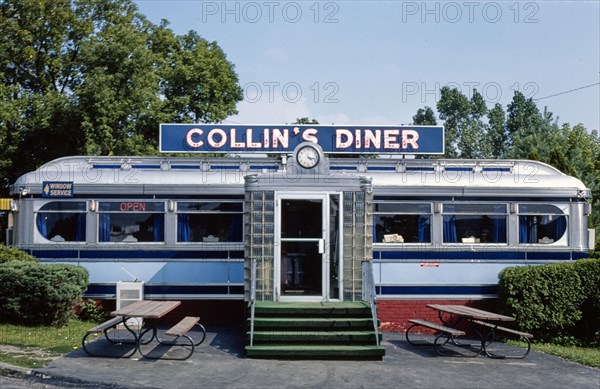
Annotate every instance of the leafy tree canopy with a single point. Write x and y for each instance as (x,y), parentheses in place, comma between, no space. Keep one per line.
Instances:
(425,117)
(95,77)
(305,120)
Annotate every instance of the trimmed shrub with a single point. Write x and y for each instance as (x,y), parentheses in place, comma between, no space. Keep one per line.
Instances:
(35,294)
(9,254)
(546,300)
(588,327)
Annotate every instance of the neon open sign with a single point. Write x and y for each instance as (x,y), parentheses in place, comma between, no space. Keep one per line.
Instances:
(132,206)
(194,138)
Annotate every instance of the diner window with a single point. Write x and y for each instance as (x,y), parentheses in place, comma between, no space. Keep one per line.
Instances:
(475,223)
(209,221)
(62,221)
(131,221)
(541,223)
(401,222)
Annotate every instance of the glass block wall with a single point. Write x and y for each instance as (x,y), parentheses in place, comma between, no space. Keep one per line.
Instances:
(358,240)
(259,217)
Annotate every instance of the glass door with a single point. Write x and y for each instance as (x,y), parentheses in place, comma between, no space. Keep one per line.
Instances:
(302,248)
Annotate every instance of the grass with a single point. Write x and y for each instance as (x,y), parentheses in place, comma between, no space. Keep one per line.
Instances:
(585,356)
(36,346)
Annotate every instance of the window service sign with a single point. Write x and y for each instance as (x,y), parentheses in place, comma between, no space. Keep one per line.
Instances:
(215,138)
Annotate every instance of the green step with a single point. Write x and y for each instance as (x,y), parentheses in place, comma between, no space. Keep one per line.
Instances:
(315,351)
(352,337)
(356,309)
(311,323)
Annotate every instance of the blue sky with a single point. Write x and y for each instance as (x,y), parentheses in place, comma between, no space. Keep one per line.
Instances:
(378,62)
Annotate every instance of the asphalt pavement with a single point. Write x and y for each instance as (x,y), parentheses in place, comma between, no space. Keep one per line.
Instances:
(220,363)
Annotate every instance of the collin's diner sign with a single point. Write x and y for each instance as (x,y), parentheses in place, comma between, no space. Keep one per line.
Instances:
(212,138)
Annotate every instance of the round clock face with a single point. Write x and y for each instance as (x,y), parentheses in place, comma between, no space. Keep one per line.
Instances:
(307,157)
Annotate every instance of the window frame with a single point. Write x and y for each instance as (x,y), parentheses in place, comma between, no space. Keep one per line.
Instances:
(178,211)
(416,212)
(476,238)
(40,238)
(100,212)
(562,207)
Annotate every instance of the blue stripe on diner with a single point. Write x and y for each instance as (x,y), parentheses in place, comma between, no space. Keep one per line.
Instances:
(477,255)
(193,289)
(225,167)
(441,255)
(136,254)
(106,166)
(352,168)
(111,290)
(382,168)
(266,167)
(548,256)
(185,167)
(419,169)
(458,169)
(579,255)
(437,290)
(145,166)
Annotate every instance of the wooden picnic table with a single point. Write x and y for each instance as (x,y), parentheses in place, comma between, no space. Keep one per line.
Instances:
(479,319)
(151,312)
(468,313)
(147,309)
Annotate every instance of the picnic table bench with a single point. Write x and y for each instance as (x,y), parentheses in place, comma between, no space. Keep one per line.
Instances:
(491,336)
(104,328)
(152,312)
(446,333)
(442,333)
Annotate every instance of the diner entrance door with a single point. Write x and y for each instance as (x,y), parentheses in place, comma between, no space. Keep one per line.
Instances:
(306,249)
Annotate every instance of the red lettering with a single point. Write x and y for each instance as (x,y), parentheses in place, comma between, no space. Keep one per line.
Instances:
(134,206)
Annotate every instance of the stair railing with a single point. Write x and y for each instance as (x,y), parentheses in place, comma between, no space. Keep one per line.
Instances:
(252,299)
(369,294)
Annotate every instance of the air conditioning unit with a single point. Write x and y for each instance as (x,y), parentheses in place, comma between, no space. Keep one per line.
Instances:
(129,292)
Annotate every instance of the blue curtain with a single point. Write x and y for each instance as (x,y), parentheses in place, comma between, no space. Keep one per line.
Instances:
(423,230)
(374,229)
(104,227)
(560,227)
(235,229)
(533,230)
(183,228)
(499,229)
(42,226)
(524,229)
(159,227)
(450,229)
(80,232)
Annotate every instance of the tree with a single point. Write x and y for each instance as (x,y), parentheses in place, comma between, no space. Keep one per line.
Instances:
(464,128)
(453,108)
(425,117)
(305,120)
(523,116)
(497,137)
(96,77)
(471,135)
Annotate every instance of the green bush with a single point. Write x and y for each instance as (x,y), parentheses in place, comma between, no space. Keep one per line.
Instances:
(9,254)
(546,300)
(92,310)
(35,294)
(588,327)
